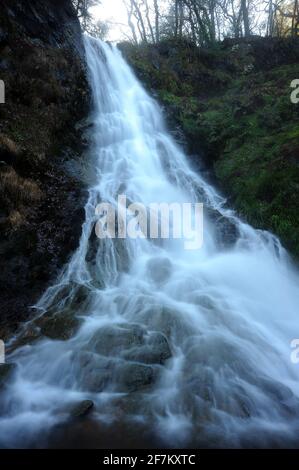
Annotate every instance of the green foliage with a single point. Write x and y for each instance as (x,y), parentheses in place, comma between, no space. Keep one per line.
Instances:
(243,119)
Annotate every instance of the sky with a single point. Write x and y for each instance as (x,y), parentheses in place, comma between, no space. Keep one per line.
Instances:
(113,11)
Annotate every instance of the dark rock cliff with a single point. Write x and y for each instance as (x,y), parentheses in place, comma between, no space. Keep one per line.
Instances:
(42,65)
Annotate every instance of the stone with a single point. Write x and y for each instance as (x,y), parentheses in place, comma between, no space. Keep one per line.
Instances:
(159,269)
(62,326)
(111,340)
(93,372)
(170,322)
(3,36)
(131,377)
(6,371)
(82,409)
(30,334)
(131,342)
(225,228)
(155,351)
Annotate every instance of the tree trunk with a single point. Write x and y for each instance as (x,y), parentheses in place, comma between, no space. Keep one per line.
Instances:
(140,22)
(270,19)
(130,22)
(176,18)
(245,18)
(149,21)
(157,20)
(212,7)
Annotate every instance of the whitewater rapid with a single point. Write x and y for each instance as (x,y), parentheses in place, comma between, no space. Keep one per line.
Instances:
(191,347)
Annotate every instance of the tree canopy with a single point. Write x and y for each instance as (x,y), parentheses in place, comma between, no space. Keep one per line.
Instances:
(201,21)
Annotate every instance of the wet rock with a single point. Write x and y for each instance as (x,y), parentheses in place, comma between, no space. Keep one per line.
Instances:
(123,357)
(131,342)
(155,351)
(69,297)
(82,409)
(62,326)
(93,372)
(160,347)
(6,372)
(3,37)
(130,404)
(170,322)
(227,231)
(111,340)
(122,255)
(28,336)
(132,377)
(280,394)
(159,269)
(225,228)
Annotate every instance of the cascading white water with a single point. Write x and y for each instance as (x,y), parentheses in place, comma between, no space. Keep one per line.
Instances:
(192,346)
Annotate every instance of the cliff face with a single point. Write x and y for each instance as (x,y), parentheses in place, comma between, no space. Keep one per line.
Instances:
(42,65)
(233,104)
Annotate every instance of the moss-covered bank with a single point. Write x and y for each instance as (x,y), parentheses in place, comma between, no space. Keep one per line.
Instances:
(233,104)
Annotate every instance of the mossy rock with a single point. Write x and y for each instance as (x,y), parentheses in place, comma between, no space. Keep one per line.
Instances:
(61,326)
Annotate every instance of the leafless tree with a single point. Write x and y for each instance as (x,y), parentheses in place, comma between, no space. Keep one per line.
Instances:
(157,20)
(82,9)
(130,8)
(206,21)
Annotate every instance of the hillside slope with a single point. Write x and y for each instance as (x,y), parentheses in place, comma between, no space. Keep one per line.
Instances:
(233,104)
(42,64)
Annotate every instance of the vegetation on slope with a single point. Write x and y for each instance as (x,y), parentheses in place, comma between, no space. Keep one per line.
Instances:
(233,104)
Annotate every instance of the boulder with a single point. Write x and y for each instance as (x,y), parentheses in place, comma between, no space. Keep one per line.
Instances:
(155,351)
(227,232)
(6,371)
(131,342)
(92,371)
(131,377)
(111,340)
(82,408)
(159,269)
(170,322)
(62,326)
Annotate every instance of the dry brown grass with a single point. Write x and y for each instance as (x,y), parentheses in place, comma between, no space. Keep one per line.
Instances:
(8,145)
(18,189)
(15,220)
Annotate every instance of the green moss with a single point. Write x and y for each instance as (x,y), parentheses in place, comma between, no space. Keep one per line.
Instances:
(241,115)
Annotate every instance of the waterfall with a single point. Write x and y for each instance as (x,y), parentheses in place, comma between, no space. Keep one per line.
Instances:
(188,347)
